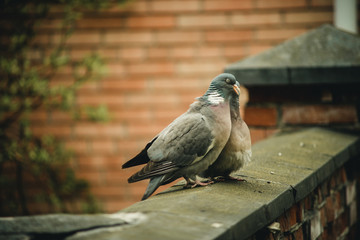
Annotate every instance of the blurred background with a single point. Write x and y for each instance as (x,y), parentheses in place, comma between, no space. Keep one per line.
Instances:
(86,84)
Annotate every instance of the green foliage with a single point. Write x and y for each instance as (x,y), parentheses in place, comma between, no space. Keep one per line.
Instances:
(28,161)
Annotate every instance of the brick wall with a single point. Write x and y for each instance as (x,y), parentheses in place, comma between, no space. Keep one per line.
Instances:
(160,56)
(271,108)
(329,212)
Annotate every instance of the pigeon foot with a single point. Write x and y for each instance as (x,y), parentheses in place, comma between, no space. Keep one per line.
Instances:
(199,183)
(191,183)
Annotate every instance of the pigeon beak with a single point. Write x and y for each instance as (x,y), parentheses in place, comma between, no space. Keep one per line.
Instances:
(236,89)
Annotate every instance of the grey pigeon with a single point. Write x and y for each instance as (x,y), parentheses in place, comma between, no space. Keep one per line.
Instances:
(237,150)
(192,142)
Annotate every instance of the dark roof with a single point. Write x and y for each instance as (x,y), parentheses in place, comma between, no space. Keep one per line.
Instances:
(322,55)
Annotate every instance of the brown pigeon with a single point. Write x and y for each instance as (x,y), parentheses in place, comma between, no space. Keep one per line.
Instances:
(192,142)
(237,150)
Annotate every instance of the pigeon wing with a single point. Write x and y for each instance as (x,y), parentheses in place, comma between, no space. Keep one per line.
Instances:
(184,142)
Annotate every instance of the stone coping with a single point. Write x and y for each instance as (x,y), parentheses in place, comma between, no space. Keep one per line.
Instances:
(284,170)
(323,55)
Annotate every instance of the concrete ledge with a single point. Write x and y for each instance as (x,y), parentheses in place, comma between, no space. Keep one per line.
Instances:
(284,170)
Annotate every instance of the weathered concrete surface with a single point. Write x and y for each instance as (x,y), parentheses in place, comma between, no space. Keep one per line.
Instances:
(323,55)
(284,170)
(59,226)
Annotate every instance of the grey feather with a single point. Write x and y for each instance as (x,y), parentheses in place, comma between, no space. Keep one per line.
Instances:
(152,186)
(237,150)
(192,142)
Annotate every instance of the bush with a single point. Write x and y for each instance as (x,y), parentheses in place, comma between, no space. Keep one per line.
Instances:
(27,160)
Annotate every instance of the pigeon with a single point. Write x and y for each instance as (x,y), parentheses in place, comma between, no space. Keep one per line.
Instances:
(191,143)
(237,150)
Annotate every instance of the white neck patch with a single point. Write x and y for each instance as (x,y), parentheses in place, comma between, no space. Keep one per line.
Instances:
(215,98)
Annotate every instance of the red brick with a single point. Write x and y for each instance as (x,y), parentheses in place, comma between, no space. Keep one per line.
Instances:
(166,117)
(161,100)
(119,178)
(40,39)
(132,54)
(278,4)
(39,116)
(137,6)
(178,37)
(34,54)
(78,54)
(60,117)
(100,163)
(278,34)
(108,53)
(322,3)
(109,192)
(78,146)
(135,115)
(151,22)
(95,100)
(319,114)
(158,52)
(192,67)
(88,87)
(329,209)
(123,84)
(308,203)
(176,84)
(147,131)
(56,131)
(255,19)
(194,21)
(151,68)
(99,130)
(228,35)
(309,17)
(90,163)
(343,175)
(102,146)
(49,24)
(174,6)
(115,37)
(298,234)
(94,178)
(81,38)
(261,116)
(235,51)
(294,215)
(207,51)
(323,217)
(182,52)
(227,5)
(115,69)
(341,223)
(339,204)
(102,22)
(284,222)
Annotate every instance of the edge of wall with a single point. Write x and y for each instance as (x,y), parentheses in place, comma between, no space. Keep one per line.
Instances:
(283,171)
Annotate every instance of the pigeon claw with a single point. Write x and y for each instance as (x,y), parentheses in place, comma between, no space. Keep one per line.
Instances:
(199,183)
(193,184)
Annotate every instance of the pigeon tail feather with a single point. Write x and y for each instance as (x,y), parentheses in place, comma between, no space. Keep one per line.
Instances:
(141,158)
(154,183)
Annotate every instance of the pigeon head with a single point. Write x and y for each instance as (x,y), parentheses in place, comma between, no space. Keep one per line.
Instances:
(221,88)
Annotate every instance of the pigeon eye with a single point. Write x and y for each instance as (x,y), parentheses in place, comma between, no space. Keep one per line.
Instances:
(227,80)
